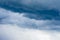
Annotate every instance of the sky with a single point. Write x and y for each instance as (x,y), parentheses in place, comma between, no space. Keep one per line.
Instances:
(29,20)
(44,9)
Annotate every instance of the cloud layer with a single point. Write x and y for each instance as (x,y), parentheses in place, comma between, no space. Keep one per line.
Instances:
(44,9)
(8,17)
(18,20)
(14,26)
(12,32)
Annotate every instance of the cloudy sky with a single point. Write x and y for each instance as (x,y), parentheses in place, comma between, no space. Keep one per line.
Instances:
(29,19)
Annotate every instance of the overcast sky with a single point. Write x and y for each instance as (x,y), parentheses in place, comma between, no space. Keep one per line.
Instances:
(29,20)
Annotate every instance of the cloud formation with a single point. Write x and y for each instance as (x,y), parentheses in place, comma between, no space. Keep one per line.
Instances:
(15,22)
(14,26)
(8,17)
(44,9)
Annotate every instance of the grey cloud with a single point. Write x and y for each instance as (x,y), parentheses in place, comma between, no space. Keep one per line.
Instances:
(20,20)
(14,26)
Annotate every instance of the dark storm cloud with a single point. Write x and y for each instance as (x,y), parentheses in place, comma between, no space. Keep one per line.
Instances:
(37,9)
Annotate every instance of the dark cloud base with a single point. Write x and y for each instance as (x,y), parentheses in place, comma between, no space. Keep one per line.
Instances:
(33,13)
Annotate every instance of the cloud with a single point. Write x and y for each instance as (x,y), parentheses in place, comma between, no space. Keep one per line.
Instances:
(14,26)
(8,17)
(14,32)
(44,9)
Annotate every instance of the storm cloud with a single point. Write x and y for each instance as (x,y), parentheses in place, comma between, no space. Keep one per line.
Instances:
(29,19)
(44,9)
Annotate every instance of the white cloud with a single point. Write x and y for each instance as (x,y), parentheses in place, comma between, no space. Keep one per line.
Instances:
(14,32)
